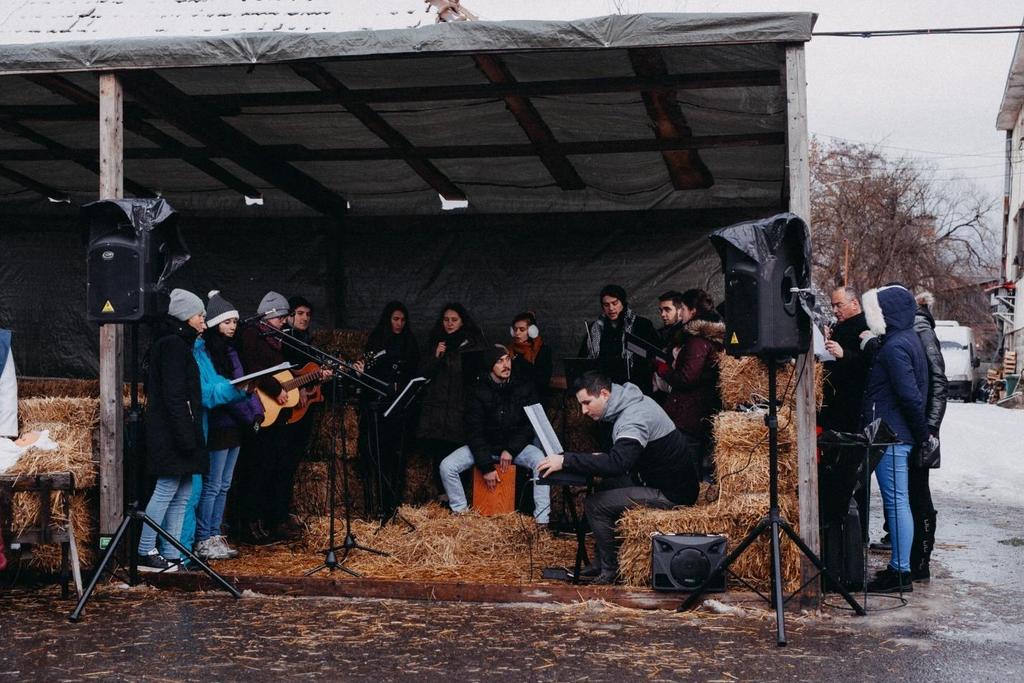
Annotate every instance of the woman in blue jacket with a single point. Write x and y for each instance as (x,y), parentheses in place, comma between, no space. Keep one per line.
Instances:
(897,387)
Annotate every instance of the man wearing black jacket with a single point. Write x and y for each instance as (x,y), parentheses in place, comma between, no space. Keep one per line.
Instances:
(606,340)
(650,464)
(921,507)
(846,375)
(498,434)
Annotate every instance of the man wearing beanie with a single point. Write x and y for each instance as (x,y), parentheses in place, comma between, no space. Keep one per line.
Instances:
(498,434)
(264,481)
(606,340)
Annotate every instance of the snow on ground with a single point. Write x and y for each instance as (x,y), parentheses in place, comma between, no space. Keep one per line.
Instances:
(982,454)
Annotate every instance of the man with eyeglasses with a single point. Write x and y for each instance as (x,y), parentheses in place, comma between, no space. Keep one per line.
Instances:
(846,375)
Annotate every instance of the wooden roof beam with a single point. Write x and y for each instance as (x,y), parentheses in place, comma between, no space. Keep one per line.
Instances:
(50,193)
(685,167)
(530,120)
(232,104)
(500,150)
(164,100)
(56,151)
(136,124)
(337,93)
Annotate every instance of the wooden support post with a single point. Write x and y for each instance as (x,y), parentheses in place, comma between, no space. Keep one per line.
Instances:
(798,169)
(111,336)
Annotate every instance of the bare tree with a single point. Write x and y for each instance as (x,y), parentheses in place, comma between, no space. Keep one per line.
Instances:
(896,222)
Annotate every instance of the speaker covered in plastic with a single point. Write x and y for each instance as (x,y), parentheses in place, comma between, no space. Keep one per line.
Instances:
(134,246)
(764,262)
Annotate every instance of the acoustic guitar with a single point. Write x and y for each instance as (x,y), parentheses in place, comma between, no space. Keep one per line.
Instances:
(306,375)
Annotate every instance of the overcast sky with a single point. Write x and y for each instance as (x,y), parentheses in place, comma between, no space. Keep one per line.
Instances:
(931,97)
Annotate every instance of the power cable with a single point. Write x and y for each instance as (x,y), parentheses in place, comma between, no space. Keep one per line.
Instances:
(899,33)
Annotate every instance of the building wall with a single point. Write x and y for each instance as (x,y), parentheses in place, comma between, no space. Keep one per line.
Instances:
(1015,271)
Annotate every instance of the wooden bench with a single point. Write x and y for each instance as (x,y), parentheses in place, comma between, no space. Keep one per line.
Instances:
(42,532)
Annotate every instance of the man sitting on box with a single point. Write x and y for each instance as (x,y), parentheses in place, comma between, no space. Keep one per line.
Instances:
(650,464)
(497,428)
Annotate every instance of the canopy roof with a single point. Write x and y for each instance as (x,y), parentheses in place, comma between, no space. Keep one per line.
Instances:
(677,111)
(1013,95)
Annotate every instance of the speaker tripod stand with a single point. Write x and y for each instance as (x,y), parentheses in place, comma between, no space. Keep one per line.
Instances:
(774,525)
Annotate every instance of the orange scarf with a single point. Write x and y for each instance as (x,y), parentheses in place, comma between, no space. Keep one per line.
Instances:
(528,349)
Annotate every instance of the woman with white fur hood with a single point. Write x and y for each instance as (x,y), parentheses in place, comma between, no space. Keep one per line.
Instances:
(897,388)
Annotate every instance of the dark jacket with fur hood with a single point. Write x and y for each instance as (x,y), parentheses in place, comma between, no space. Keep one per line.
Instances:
(897,386)
(693,375)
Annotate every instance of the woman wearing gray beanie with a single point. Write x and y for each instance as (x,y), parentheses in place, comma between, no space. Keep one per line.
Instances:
(175,449)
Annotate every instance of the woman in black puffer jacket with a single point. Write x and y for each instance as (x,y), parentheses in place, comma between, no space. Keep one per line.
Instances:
(175,445)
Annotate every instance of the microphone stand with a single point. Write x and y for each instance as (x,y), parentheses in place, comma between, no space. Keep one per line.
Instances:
(343,371)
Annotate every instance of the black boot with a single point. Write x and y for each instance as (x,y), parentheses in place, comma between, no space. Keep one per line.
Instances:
(891,581)
(924,543)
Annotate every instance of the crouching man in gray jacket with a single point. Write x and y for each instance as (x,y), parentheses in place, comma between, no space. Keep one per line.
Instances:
(650,464)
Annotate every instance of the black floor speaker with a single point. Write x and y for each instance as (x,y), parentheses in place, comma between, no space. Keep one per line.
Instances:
(682,562)
(843,550)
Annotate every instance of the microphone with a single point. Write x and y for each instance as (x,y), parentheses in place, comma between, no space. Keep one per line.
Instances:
(252,318)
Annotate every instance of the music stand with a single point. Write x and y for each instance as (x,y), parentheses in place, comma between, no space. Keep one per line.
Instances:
(410,392)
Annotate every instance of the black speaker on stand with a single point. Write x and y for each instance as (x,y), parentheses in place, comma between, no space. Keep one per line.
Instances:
(767,276)
(134,246)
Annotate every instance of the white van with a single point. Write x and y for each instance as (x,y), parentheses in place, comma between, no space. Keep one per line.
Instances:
(957,344)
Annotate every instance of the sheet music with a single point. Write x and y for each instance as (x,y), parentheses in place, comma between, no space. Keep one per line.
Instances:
(820,352)
(260,373)
(549,442)
(413,383)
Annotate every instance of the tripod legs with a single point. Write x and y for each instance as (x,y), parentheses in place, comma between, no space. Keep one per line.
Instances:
(134,519)
(772,524)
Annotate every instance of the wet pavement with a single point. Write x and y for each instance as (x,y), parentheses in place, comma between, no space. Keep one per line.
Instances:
(966,625)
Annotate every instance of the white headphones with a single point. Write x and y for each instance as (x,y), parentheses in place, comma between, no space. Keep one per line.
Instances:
(532,331)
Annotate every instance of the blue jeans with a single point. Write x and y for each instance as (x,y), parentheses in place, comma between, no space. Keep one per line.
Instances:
(167,508)
(461,460)
(891,473)
(216,483)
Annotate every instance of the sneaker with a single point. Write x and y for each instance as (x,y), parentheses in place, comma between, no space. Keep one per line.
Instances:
(222,543)
(891,581)
(211,550)
(155,562)
(204,550)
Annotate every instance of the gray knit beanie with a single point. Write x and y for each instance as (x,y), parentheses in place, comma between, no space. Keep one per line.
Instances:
(184,305)
(218,309)
(273,305)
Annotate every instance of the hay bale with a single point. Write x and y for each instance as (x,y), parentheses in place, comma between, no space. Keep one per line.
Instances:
(345,344)
(734,517)
(45,387)
(327,427)
(419,479)
(67,387)
(741,452)
(467,547)
(72,423)
(744,381)
(311,495)
(25,511)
